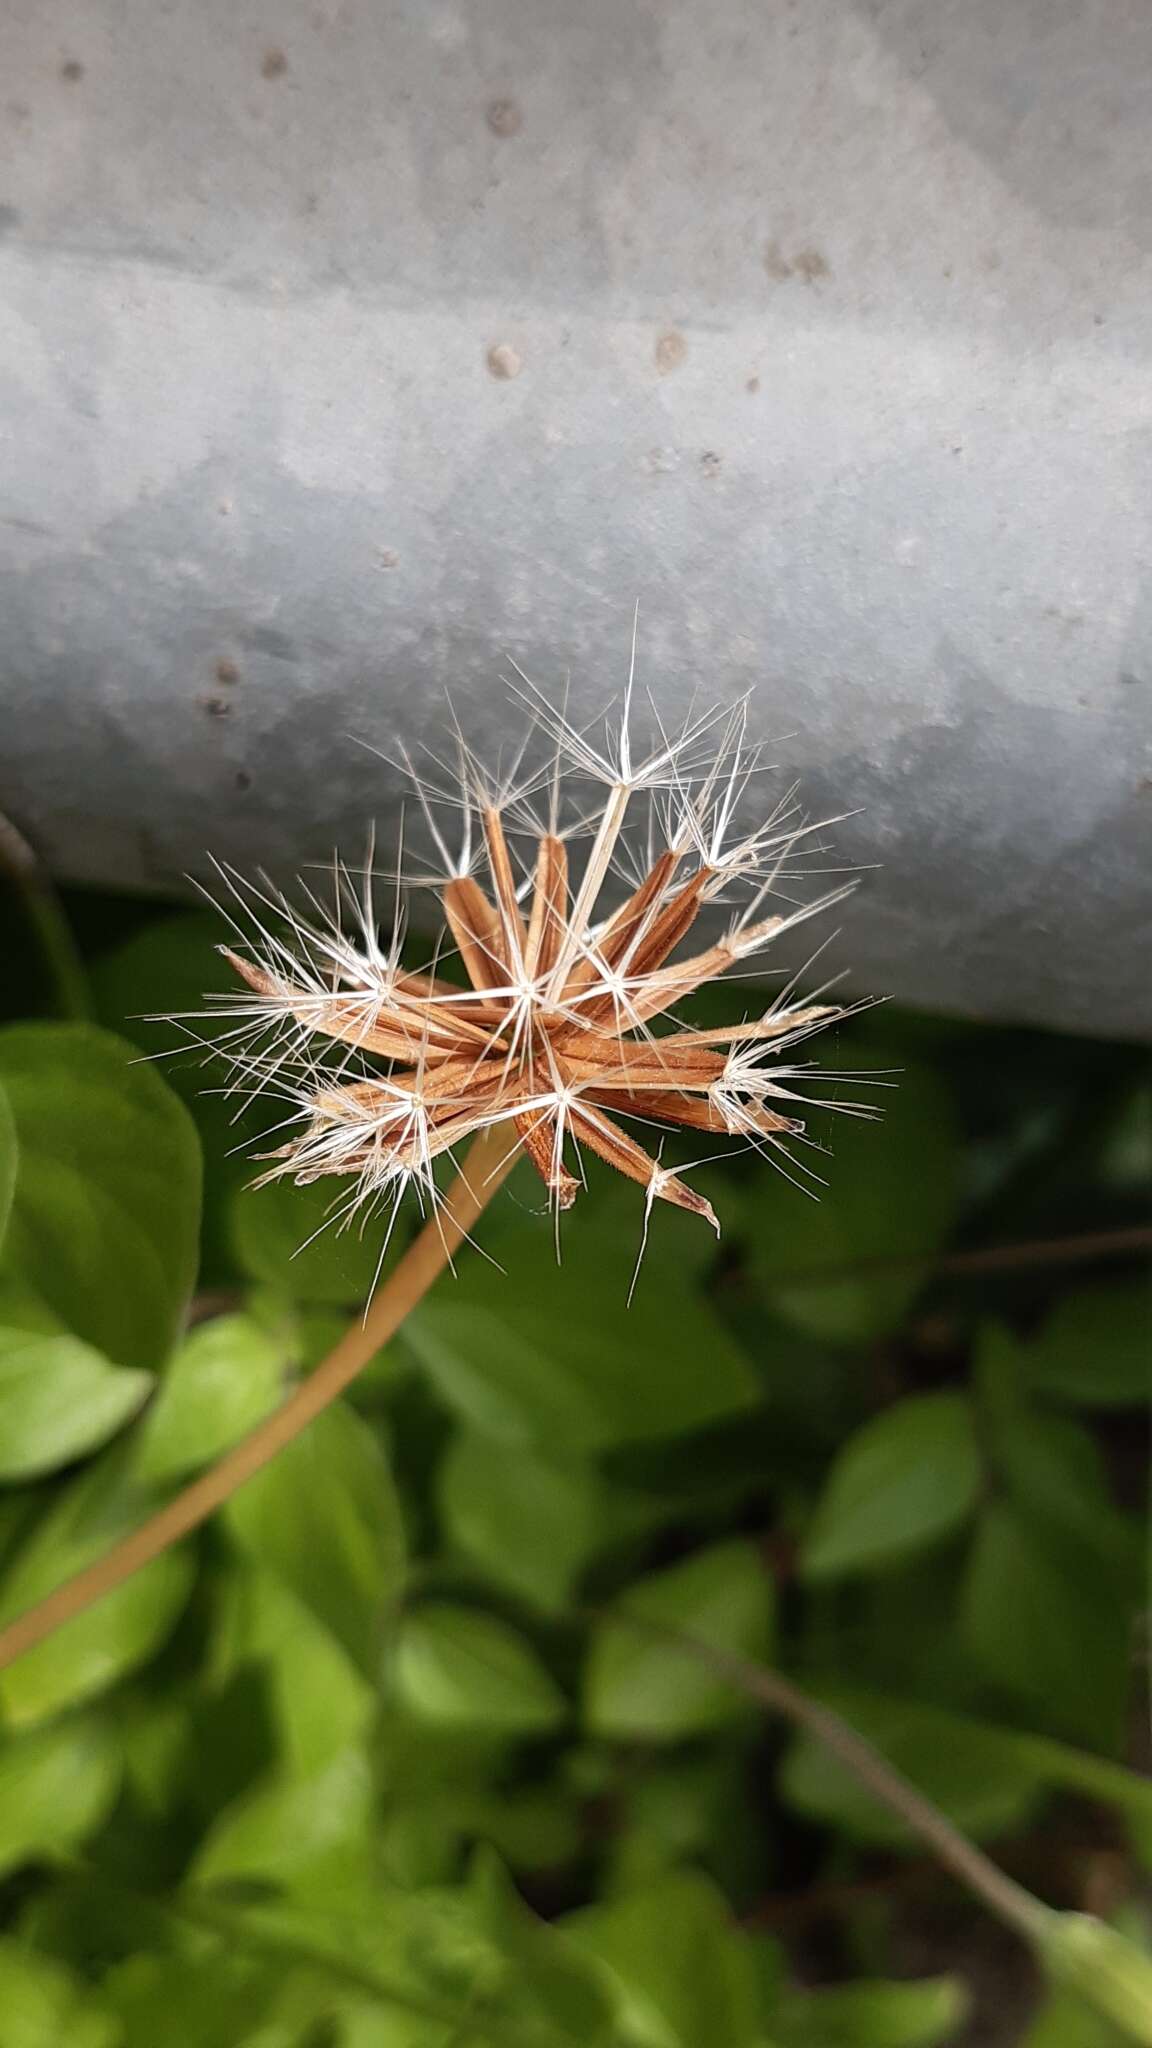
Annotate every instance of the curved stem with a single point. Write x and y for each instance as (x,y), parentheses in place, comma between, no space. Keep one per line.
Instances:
(49,925)
(486,1165)
(1010,1902)
(996,1258)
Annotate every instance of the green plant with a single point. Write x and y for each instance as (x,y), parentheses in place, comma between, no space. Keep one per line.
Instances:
(451,1727)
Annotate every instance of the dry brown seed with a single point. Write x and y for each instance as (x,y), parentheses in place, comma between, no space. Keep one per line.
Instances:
(565,1023)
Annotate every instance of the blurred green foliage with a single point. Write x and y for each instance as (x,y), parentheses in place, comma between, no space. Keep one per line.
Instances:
(378,1761)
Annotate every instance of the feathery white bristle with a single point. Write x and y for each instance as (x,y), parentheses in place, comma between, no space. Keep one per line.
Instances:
(360,1047)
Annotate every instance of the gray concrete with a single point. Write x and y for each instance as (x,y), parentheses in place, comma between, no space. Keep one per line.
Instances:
(828,327)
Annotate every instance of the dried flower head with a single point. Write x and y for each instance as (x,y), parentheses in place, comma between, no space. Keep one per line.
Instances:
(561,1029)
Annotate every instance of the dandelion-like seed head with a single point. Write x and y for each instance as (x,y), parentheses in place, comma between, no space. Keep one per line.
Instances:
(559,1024)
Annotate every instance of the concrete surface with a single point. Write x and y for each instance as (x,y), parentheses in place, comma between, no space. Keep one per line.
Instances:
(347,347)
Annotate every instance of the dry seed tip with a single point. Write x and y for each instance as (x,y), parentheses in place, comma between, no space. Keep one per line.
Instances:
(557,1020)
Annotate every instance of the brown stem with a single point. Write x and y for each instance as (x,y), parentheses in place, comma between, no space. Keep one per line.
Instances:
(489,1160)
(50,927)
(997,1258)
(1044,1251)
(1050,1251)
(1009,1901)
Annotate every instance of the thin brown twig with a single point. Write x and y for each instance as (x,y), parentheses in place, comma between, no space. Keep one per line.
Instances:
(1052,1251)
(1010,1902)
(1083,1250)
(997,1258)
(26,871)
(488,1161)
(1078,1868)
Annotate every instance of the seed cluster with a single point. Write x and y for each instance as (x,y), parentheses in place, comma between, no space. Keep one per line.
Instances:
(562,1029)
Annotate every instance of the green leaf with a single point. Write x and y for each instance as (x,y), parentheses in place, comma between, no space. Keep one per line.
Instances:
(450,1969)
(918,2015)
(439,1789)
(984,1779)
(9,1155)
(1061,1764)
(321,1702)
(223,1379)
(1096,1347)
(159,1734)
(564,1987)
(639,1686)
(891,1195)
(1050,1465)
(675,1810)
(323,1517)
(988,1779)
(313,1830)
(608,1222)
(1105,1967)
(163,973)
(1043,1621)
(683,1976)
(1054,1470)
(455,1665)
(905,1479)
(90,1652)
(223,2000)
(552,1356)
(304,1336)
(59,1399)
(926,1741)
(538,1828)
(1068,2021)
(1125,1157)
(169,964)
(44,2006)
(56,1784)
(888,1633)
(531,1524)
(106,1216)
(289,1238)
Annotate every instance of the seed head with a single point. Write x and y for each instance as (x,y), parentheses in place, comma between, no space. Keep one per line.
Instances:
(559,1023)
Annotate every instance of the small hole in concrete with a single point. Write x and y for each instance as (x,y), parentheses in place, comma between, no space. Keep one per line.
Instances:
(503,361)
(504,118)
